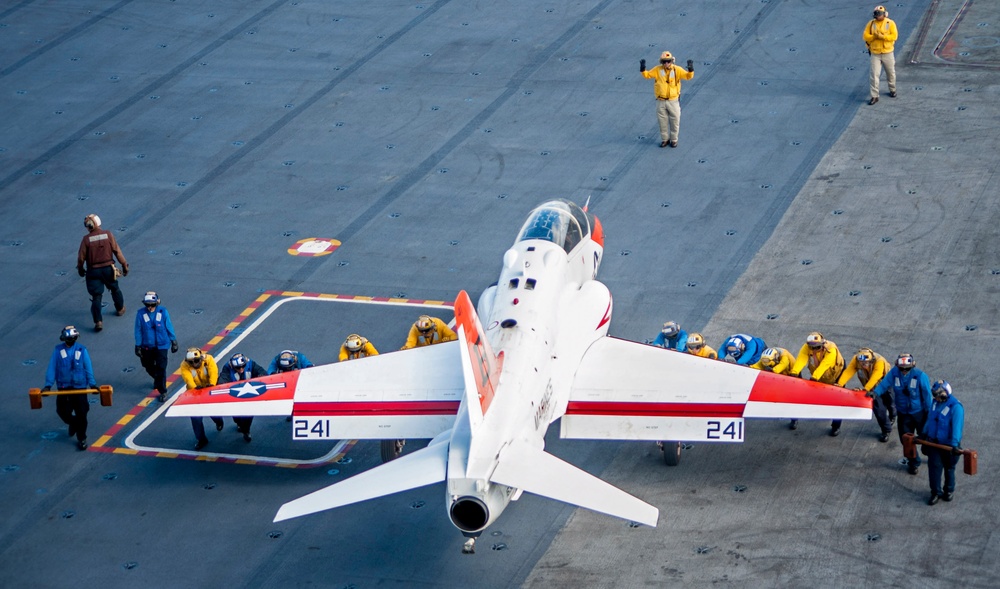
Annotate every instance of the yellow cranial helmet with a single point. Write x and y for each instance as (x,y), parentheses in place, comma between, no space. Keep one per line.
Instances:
(770,357)
(696,341)
(880,11)
(815,340)
(354,342)
(424,323)
(194,356)
(666,56)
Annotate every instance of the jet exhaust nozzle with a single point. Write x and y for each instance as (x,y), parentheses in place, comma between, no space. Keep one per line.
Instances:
(469,514)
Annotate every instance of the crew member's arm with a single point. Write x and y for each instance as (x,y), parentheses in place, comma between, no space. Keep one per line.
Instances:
(444,332)
(878,373)
(869,33)
(801,360)
(957,425)
(784,365)
(170,329)
(117,251)
(81,257)
(187,374)
(88,368)
(924,390)
(892,35)
(827,363)
(849,371)
(213,370)
(411,338)
(225,375)
(50,372)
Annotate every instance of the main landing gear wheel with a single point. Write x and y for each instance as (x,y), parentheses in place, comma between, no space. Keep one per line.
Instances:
(671,452)
(391,449)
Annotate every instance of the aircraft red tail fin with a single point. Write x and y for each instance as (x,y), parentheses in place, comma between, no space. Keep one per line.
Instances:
(485,363)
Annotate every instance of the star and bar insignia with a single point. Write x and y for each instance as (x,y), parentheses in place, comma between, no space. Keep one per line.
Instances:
(248,389)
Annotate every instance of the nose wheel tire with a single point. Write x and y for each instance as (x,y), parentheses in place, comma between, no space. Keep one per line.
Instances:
(671,453)
(391,449)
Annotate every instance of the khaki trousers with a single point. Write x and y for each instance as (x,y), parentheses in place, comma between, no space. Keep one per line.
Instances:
(878,61)
(668,114)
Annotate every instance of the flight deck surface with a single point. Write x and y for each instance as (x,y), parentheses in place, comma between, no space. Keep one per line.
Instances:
(227,143)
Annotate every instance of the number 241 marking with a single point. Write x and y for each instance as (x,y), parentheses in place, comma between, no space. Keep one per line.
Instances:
(733,430)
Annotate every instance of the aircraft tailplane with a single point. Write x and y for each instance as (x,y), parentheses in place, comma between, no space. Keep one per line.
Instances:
(421,468)
(536,471)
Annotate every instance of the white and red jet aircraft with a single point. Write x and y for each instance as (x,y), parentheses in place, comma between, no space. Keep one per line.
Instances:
(485,401)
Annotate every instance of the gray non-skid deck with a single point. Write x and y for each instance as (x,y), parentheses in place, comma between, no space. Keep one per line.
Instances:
(213,136)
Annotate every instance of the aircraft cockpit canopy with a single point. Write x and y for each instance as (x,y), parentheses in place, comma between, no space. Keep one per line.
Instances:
(562,222)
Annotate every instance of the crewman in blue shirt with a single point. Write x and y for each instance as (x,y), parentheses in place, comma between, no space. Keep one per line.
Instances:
(672,337)
(944,426)
(742,349)
(241,368)
(70,368)
(287,361)
(154,333)
(911,390)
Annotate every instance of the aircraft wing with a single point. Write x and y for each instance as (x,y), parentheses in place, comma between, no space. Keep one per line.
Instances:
(406,394)
(268,395)
(625,390)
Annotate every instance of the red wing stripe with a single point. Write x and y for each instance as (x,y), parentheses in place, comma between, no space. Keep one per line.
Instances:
(777,388)
(609,408)
(376,408)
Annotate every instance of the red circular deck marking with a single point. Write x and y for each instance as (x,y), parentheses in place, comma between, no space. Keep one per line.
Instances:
(314,246)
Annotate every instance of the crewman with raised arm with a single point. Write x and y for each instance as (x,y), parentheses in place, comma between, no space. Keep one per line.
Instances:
(667,87)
